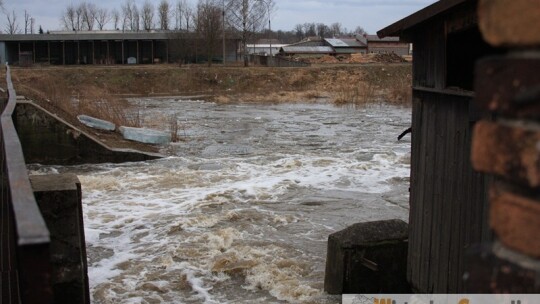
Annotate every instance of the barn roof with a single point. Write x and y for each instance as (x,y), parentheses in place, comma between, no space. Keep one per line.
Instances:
(397,28)
(308,49)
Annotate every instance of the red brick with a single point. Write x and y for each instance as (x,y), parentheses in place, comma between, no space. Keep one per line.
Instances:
(508,86)
(510,22)
(510,152)
(516,221)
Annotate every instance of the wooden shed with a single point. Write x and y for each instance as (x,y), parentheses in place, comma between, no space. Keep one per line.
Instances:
(448,199)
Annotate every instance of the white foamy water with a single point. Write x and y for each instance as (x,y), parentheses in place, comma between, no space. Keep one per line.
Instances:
(242,210)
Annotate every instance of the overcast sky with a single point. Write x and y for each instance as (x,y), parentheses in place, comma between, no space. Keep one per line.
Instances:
(372,15)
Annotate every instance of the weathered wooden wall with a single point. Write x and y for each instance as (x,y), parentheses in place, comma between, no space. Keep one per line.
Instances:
(448,209)
(448,203)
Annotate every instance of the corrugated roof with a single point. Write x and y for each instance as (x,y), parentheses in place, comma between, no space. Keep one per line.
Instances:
(352,42)
(308,49)
(76,36)
(336,42)
(344,42)
(386,39)
(319,42)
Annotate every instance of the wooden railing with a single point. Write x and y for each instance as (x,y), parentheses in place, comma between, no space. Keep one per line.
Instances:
(24,237)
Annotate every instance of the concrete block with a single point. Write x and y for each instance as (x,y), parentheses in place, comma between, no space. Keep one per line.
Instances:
(147,136)
(509,152)
(494,269)
(515,218)
(368,258)
(509,22)
(59,199)
(96,123)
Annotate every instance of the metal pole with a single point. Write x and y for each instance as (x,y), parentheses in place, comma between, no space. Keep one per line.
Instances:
(270,33)
(223,32)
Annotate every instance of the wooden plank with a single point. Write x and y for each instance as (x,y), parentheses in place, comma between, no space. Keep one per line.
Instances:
(438,183)
(417,178)
(420,16)
(429,193)
(449,171)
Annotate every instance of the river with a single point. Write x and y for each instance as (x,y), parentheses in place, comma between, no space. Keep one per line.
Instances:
(241,210)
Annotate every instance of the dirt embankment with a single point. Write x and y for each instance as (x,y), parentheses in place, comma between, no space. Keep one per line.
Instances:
(227,84)
(100,91)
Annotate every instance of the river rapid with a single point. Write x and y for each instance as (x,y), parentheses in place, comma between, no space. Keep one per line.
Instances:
(241,210)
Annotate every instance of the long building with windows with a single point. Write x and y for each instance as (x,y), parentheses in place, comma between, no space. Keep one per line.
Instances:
(108,47)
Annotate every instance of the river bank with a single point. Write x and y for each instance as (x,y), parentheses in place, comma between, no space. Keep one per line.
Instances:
(103,91)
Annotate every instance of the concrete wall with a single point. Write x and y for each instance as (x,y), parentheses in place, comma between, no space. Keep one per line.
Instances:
(3,53)
(46,139)
(59,200)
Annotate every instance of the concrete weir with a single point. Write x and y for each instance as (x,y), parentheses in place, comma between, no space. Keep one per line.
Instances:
(50,140)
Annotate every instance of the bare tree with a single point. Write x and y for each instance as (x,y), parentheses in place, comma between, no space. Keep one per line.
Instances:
(336,29)
(136,22)
(163,14)
(359,30)
(115,17)
(208,26)
(102,18)
(188,16)
(12,27)
(69,18)
(310,29)
(299,31)
(147,15)
(130,16)
(27,21)
(322,30)
(79,17)
(179,13)
(247,17)
(89,15)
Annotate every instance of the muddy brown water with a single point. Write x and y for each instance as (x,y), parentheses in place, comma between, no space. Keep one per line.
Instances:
(241,210)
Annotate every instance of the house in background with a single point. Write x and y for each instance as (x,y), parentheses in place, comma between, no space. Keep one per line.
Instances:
(309,47)
(346,46)
(385,45)
(108,47)
(265,47)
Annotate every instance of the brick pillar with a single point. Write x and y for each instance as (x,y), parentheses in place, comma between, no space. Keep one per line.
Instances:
(508,147)
(59,199)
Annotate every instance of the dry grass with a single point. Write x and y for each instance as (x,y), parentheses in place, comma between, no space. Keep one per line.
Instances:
(87,100)
(360,93)
(92,90)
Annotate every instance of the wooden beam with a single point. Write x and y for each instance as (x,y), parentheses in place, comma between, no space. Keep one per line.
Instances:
(152,46)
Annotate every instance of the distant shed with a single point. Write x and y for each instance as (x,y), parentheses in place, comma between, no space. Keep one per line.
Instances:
(292,50)
(448,203)
(346,45)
